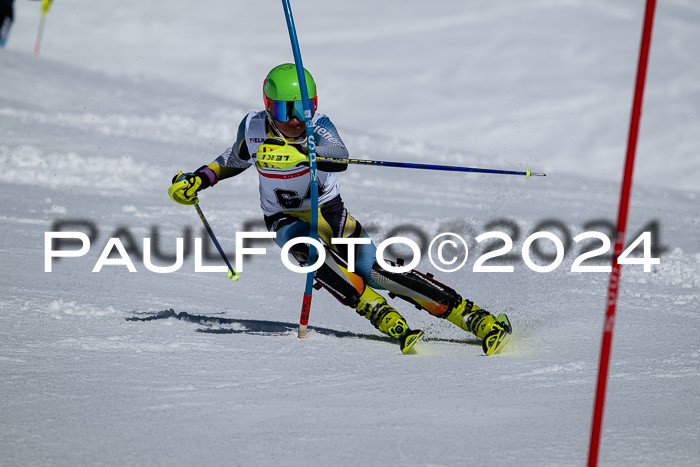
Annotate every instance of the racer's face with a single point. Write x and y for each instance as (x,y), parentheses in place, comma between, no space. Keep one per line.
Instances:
(294,128)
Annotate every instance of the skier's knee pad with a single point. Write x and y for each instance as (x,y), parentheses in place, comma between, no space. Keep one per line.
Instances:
(300,252)
(420,289)
(345,286)
(333,275)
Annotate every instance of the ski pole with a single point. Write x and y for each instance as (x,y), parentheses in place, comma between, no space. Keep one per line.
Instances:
(232,274)
(45,4)
(408,165)
(290,158)
(313,184)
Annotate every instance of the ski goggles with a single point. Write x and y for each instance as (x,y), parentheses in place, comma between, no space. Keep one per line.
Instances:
(283,111)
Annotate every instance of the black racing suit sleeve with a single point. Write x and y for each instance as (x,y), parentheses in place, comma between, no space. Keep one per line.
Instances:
(236,159)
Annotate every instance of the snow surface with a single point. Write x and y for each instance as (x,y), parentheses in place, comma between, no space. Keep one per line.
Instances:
(94,367)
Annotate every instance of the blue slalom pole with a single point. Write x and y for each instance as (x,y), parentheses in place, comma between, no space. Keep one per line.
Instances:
(306,303)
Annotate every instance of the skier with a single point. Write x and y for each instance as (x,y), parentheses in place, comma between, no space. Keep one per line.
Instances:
(285,201)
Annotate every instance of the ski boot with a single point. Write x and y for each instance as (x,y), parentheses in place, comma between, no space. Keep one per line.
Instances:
(385,318)
(493,331)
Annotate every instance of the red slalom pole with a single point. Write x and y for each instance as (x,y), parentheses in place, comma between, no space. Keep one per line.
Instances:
(614,284)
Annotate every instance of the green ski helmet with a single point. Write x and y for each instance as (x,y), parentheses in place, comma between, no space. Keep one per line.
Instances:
(282,94)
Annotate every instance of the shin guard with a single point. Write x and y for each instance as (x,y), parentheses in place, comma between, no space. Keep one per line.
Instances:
(420,289)
(349,289)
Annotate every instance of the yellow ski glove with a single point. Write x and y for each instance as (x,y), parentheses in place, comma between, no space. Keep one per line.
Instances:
(184,188)
(279,154)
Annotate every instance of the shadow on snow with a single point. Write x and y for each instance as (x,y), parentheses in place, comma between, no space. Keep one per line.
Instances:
(262,327)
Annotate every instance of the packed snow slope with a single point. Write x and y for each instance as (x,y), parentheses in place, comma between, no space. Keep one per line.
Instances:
(96,368)
(530,82)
